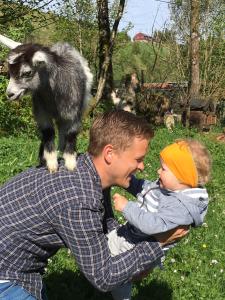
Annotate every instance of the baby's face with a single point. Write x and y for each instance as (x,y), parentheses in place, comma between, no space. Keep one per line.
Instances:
(168,180)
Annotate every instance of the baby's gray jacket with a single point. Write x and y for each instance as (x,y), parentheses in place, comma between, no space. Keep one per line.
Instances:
(158,210)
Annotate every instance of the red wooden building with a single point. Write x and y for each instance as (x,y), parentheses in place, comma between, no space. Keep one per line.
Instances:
(141,37)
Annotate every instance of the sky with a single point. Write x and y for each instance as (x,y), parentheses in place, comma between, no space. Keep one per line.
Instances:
(145,15)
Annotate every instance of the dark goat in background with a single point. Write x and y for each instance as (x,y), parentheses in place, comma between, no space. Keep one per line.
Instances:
(59,80)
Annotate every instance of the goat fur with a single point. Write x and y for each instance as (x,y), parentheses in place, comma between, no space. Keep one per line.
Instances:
(59,80)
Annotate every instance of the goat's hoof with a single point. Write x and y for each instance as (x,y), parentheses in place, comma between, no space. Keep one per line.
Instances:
(70,161)
(52,166)
(51,161)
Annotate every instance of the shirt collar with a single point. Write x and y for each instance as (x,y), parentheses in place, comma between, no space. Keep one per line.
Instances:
(86,160)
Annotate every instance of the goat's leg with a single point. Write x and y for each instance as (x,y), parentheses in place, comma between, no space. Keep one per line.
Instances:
(47,152)
(69,152)
(68,132)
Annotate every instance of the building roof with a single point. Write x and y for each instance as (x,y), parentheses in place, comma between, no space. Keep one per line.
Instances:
(142,37)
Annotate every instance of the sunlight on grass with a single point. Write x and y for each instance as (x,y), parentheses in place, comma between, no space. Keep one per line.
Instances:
(194,269)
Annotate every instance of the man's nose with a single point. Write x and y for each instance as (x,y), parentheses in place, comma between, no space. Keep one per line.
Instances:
(159,171)
(141,166)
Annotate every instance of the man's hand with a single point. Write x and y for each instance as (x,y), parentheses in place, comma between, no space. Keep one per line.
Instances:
(171,236)
(165,238)
(119,202)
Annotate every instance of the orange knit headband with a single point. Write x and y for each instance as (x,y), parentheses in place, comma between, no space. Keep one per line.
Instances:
(179,160)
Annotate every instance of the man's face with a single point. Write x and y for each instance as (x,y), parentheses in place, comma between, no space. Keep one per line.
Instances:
(127,162)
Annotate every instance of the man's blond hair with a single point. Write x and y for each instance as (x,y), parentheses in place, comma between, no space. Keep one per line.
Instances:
(117,128)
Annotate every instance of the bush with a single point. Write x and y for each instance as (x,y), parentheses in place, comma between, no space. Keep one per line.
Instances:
(15,116)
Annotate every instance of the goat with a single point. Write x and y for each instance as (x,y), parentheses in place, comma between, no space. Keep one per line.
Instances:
(59,80)
(169,121)
(125,97)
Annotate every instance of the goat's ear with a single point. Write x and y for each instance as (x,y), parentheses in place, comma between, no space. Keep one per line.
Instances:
(39,59)
(13,57)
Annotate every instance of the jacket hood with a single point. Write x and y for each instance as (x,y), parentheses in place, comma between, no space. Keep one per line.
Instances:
(196,202)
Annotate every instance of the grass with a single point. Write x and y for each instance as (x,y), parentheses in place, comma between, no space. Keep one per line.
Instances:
(193,270)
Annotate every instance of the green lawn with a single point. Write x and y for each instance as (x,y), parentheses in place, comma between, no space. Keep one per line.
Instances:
(192,270)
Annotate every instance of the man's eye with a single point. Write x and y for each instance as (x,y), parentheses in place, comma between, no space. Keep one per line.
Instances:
(139,160)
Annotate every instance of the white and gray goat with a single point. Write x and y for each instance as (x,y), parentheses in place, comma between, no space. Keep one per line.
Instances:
(59,80)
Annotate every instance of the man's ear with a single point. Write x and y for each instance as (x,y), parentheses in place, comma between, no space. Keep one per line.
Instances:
(108,152)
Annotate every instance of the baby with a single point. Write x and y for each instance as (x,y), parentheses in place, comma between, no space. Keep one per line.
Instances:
(176,198)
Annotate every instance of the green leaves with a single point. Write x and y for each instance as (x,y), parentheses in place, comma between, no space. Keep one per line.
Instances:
(16,116)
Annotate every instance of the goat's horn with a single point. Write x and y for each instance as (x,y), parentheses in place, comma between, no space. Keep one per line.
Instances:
(8,42)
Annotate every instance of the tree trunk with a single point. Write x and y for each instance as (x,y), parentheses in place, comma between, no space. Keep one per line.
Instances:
(105,60)
(106,44)
(194,79)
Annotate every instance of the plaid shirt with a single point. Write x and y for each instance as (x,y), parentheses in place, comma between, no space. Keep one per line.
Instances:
(42,212)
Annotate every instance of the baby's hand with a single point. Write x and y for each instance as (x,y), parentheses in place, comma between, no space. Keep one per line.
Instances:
(119,202)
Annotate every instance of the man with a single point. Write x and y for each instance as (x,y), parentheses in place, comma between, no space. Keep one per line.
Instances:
(42,212)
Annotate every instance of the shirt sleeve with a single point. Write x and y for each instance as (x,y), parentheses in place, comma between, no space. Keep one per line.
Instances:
(81,229)
(136,185)
(168,217)
(109,222)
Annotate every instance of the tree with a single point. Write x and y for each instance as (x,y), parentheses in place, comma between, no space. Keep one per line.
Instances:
(16,13)
(76,23)
(106,44)
(194,79)
(210,42)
